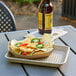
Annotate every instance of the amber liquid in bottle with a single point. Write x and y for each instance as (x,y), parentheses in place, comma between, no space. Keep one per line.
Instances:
(45,17)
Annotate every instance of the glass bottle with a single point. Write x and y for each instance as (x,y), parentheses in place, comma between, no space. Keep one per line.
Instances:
(45,17)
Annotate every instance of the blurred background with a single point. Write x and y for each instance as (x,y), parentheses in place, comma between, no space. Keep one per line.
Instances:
(25,12)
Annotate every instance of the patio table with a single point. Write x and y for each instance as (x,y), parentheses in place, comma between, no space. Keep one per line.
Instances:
(18,69)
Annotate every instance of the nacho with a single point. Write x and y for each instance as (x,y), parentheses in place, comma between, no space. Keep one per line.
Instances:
(32,46)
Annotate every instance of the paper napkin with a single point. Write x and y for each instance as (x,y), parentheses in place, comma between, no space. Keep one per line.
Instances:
(56,32)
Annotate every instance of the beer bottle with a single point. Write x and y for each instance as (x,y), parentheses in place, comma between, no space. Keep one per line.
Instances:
(45,17)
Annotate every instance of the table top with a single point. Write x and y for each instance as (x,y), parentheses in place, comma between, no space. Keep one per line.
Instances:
(19,69)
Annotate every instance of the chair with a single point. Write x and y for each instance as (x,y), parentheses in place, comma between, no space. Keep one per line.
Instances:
(7,21)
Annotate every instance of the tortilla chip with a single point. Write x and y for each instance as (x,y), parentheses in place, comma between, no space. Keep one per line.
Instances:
(47,37)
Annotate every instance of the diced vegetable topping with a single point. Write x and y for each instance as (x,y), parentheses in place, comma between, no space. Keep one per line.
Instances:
(18,44)
(23,45)
(40,42)
(40,46)
(24,53)
(35,40)
(20,52)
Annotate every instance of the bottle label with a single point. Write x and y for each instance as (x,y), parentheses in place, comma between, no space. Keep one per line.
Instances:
(48,21)
(40,20)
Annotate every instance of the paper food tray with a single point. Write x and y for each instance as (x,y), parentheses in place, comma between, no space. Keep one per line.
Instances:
(57,58)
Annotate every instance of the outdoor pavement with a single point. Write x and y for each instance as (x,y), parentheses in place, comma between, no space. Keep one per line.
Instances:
(31,22)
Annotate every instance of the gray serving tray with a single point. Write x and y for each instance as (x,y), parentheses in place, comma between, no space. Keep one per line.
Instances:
(58,57)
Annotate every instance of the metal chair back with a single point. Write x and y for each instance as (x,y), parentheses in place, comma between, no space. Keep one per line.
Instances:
(7,20)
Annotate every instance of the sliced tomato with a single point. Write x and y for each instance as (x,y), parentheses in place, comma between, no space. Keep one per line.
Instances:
(40,42)
(24,53)
(23,45)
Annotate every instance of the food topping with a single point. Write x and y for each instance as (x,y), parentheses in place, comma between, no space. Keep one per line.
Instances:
(40,42)
(20,52)
(40,46)
(23,45)
(35,40)
(18,44)
(24,53)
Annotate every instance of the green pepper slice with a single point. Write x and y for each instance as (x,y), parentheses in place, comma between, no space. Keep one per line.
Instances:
(20,52)
(40,46)
(18,44)
(35,40)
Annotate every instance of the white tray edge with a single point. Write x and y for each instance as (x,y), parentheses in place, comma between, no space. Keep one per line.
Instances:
(18,60)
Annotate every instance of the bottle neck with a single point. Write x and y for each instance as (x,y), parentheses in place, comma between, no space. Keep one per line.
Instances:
(46,1)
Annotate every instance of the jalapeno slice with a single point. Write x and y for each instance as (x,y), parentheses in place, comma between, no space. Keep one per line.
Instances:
(35,40)
(40,46)
(18,44)
(20,52)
